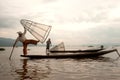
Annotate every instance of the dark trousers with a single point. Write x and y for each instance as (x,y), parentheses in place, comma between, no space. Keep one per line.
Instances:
(25,43)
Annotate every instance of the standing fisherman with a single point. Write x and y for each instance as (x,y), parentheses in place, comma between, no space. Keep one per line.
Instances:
(21,37)
(48,43)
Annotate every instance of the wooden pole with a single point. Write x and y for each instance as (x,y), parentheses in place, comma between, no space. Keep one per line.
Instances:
(11,53)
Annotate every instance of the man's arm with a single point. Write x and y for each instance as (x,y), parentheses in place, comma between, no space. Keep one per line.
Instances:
(24,31)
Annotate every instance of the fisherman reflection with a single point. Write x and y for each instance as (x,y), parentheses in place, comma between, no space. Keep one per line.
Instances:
(24,66)
(23,72)
(33,71)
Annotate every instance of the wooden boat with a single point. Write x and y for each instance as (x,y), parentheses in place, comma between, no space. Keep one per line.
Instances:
(60,48)
(2,49)
(75,51)
(77,55)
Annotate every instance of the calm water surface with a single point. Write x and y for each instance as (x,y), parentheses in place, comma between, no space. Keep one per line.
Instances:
(106,67)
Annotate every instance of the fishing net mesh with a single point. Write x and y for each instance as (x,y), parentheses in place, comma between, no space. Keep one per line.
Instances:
(38,30)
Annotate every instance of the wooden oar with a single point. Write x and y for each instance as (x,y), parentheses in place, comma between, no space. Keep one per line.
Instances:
(11,52)
(13,48)
(118,52)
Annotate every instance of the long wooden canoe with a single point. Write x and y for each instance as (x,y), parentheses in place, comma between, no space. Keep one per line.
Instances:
(76,51)
(77,55)
(2,49)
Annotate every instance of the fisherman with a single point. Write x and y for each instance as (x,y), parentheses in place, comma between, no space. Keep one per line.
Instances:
(102,47)
(48,43)
(21,37)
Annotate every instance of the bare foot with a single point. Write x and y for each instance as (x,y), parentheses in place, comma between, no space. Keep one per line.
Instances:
(38,41)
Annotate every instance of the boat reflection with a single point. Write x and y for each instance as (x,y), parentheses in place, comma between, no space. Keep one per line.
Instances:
(32,71)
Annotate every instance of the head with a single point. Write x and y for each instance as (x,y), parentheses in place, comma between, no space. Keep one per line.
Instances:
(19,33)
(49,39)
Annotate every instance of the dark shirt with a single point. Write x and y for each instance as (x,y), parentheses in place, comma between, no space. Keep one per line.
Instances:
(48,44)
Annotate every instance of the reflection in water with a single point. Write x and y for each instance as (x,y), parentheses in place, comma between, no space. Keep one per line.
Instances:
(23,72)
(67,69)
(24,68)
(101,68)
(32,71)
(96,59)
(40,69)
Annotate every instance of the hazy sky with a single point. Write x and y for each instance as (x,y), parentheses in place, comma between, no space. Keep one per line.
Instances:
(73,21)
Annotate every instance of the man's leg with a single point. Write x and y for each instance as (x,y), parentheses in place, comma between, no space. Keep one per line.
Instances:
(47,52)
(26,43)
(32,42)
(25,49)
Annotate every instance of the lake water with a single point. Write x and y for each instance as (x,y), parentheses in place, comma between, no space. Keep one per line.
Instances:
(106,67)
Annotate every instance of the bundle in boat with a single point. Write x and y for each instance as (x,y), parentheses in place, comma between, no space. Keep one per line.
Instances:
(59,47)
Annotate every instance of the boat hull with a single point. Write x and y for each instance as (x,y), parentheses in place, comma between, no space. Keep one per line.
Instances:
(77,55)
(76,51)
